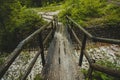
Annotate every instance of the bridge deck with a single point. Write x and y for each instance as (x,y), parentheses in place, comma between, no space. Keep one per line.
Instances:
(61,63)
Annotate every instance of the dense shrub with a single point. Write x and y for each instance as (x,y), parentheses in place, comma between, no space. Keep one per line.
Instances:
(92,13)
(16,23)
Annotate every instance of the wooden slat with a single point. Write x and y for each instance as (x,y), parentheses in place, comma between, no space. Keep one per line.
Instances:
(47,18)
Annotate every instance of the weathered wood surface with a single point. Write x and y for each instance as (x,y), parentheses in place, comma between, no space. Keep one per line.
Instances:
(60,62)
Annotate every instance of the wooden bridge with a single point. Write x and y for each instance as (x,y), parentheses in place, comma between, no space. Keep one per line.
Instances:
(60,62)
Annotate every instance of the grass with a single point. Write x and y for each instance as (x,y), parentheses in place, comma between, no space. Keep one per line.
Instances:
(38,77)
(95,13)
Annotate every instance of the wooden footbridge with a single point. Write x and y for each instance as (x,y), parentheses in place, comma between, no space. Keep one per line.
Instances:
(60,62)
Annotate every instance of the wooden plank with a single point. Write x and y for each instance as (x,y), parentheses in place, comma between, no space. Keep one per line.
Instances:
(46,18)
(60,62)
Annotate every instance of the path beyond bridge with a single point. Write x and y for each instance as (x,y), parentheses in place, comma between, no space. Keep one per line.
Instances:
(60,61)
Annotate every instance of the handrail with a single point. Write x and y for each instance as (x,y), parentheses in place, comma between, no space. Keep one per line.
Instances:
(35,58)
(95,39)
(19,48)
(93,65)
(112,72)
(81,28)
(106,40)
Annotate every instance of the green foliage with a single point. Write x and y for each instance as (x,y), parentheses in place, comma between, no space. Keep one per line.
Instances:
(38,77)
(2,58)
(16,23)
(27,3)
(49,8)
(101,76)
(92,13)
(39,3)
(8,9)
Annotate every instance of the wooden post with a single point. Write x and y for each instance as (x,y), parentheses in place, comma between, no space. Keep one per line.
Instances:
(53,26)
(90,73)
(90,70)
(42,48)
(56,21)
(82,50)
(67,22)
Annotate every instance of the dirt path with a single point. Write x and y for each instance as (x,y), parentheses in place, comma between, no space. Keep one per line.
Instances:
(48,15)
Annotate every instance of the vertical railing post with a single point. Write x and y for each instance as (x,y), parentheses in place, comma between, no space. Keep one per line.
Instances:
(90,70)
(53,28)
(42,48)
(54,25)
(67,22)
(90,73)
(55,21)
(70,27)
(82,50)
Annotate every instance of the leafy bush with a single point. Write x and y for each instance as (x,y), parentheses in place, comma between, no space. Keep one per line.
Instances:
(88,12)
(16,23)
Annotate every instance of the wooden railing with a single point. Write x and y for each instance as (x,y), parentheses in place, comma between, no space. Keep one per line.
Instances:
(93,66)
(19,48)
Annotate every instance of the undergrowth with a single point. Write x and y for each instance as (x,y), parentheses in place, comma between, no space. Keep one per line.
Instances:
(92,13)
